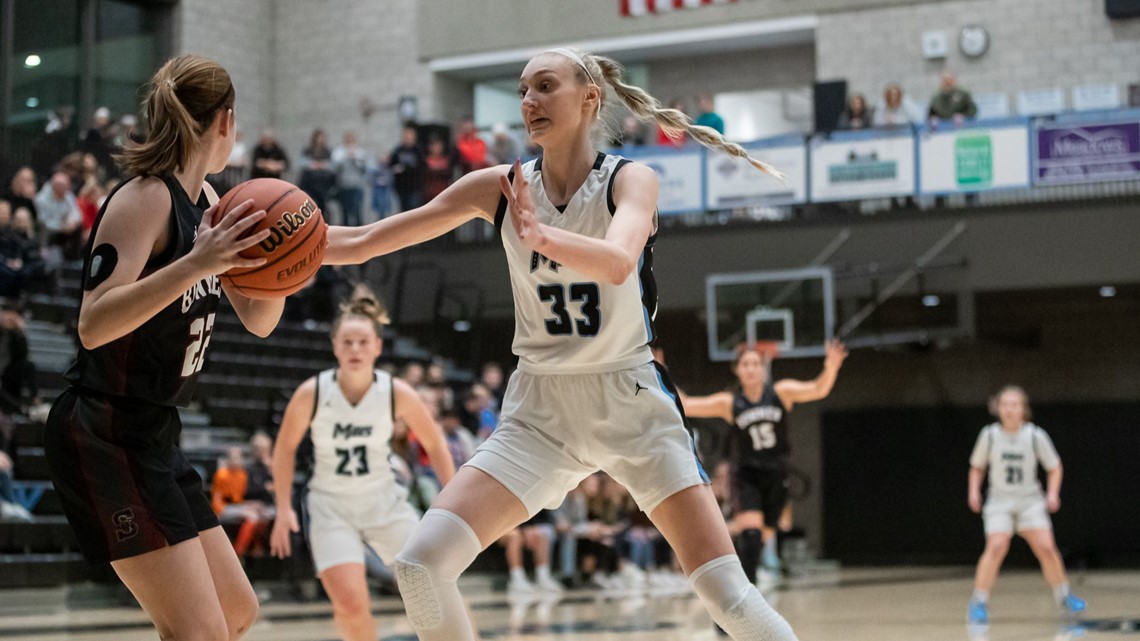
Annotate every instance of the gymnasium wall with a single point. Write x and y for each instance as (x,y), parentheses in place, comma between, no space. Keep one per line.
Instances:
(787,67)
(1033,44)
(454,27)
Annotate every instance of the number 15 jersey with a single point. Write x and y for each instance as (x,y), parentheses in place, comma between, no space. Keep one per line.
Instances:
(1013,457)
(567,322)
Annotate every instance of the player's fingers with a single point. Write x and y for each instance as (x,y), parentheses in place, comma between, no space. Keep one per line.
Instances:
(508,191)
(241,226)
(246,263)
(245,243)
(235,214)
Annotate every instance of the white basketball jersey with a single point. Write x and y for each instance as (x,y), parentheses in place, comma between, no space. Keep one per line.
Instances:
(567,322)
(1013,457)
(350,442)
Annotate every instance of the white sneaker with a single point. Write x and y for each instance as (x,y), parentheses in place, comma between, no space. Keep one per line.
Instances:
(521,586)
(548,584)
(633,577)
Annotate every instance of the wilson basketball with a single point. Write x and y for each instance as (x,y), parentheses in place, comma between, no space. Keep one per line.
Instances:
(296,242)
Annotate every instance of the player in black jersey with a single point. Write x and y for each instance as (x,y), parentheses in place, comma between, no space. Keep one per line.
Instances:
(150,293)
(758,410)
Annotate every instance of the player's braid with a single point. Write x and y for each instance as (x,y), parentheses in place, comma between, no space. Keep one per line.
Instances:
(672,121)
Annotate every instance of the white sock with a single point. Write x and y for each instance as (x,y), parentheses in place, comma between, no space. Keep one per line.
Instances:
(542,573)
(518,575)
(735,604)
(1061,591)
(982,596)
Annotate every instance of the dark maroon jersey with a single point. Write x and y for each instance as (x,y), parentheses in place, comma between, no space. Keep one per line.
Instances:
(159,362)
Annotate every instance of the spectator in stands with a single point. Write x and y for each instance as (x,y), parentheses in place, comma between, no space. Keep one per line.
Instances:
(55,143)
(678,139)
(504,147)
(407,163)
(631,134)
(268,160)
(228,497)
(317,176)
(459,441)
(350,164)
(237,167)
(706,117)
(413,374)
(10,509)
(99,140)
(380,183)
(436,377)
(476,414)
(260,485)
(951,102)
(535,535)
(20,250)
(18,387)
(22,191)
(472,148)
(492,378)
(90,197)
(438,169)
(857,115)
(59,214)
(897,110)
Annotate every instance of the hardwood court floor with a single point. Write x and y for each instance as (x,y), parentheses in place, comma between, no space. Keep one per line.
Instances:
(916,604)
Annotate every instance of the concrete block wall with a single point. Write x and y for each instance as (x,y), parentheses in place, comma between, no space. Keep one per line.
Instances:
(1033,44)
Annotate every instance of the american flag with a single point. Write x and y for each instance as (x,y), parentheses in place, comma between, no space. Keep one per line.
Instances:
(635,8)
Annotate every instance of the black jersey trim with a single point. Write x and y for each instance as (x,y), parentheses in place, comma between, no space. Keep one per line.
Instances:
(600,160)
(392,397)
(316,398)
(610,187)
(648,286)
(501,211)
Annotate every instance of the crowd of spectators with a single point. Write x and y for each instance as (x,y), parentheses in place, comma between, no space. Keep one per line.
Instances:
(950,104)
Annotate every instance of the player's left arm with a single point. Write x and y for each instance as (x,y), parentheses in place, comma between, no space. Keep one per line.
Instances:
(411,410)
(260,317)
(792,391)
(611,259)
(1051,461)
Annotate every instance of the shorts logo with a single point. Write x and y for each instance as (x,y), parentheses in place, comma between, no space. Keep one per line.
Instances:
(638,387)
(124,522)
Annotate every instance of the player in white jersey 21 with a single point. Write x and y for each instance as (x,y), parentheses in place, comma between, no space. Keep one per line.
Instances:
(578,227)
(1011,449)
(353,500)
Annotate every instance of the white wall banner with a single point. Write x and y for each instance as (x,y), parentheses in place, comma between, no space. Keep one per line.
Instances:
(733,182)
(680,174)
(974,159)
(850,167)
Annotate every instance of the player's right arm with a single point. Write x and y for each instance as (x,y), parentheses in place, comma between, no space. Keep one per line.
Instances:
(475,195)
(717,405)
(294,424)
(135,228)
(979,459)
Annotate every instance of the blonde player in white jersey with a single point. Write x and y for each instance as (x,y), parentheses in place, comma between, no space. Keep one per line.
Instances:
(353,499)
(1011,449)
(578,227)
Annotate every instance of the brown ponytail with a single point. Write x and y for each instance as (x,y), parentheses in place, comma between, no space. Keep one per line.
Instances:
(182,100)
(364,304)
(647,108)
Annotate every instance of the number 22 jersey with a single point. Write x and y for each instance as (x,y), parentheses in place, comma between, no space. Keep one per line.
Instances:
(567,322)
(159,361)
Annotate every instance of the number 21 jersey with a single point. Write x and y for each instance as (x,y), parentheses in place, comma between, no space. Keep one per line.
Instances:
(1013,457)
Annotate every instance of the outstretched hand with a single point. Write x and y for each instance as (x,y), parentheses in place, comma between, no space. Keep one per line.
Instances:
(834,353)
(523,218)
(222,238)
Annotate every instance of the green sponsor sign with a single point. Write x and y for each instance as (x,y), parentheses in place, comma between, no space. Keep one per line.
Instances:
(974,160)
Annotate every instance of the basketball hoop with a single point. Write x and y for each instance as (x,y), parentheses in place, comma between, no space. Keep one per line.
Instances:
(768,350)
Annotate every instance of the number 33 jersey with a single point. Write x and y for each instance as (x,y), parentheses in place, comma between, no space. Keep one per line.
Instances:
(159,362)
(1013,457)
(350,442)
(567,322)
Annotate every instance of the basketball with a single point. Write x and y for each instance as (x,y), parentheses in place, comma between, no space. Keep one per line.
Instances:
(296,240)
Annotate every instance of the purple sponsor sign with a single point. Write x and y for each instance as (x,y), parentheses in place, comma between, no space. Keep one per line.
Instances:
(1075,153)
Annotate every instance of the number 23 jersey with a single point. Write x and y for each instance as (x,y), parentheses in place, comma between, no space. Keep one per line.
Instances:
(567,322)
(1013,457)
(350,442)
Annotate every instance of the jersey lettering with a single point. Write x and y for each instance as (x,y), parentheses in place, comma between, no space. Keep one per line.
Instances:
(200,331)
(206,287)
(538,260)
(348,431)
(359,454)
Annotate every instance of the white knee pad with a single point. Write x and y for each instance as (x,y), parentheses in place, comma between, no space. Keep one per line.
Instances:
(736,605)
(439,550)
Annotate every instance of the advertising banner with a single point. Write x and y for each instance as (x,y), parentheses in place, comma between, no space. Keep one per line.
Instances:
(680,174)
(1096,151)
(974,159)
(848,167)
(733,182)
